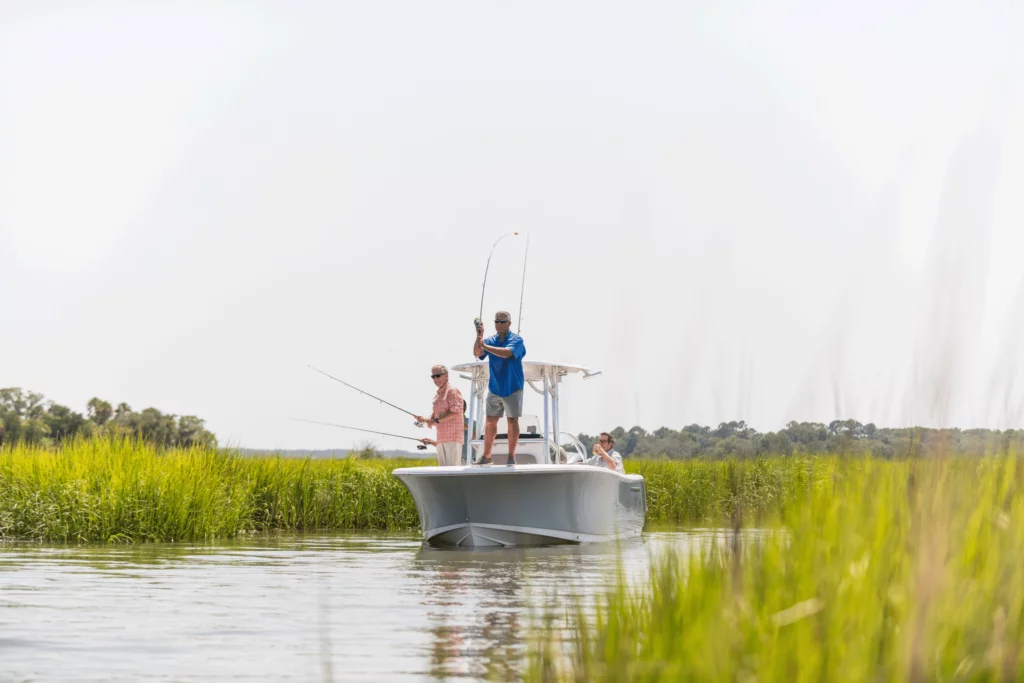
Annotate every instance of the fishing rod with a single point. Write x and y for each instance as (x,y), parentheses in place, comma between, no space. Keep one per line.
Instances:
(484,287)
(366,393)
(421,446)
(522,289)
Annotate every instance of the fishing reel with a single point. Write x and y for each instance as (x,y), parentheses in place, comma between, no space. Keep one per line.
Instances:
(421,447)
(421,425)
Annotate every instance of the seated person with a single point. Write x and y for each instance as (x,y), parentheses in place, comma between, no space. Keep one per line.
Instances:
(605,455)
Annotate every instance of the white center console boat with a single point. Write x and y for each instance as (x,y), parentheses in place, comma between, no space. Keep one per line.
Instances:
(549,496)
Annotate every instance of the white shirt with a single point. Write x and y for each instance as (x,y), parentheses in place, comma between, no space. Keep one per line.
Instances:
(598,461)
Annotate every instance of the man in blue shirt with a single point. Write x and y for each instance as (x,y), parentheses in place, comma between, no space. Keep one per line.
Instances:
(504,351)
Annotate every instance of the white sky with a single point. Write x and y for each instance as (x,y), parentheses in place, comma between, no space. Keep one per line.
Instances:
(798,210)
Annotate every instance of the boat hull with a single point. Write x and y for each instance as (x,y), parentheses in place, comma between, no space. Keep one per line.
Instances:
(525,504)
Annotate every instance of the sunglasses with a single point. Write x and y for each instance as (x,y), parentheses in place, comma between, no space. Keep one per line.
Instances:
(603,441)
(498,322)
(441,375)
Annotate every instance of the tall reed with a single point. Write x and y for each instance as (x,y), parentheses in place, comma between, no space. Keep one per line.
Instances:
(885,571)
(716,492)
(127,491)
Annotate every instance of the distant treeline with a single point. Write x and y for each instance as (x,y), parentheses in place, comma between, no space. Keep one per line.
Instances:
(27,417)
(737,440)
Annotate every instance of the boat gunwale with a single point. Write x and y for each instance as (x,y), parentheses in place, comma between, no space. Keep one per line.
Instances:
(499,470)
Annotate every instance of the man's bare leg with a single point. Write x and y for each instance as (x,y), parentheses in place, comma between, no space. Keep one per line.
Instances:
(490,431)
(513,438)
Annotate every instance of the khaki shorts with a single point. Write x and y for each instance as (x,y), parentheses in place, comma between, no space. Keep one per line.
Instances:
(498,406)
(449,453)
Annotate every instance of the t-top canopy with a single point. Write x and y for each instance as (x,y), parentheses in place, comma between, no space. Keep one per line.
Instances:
(533,370)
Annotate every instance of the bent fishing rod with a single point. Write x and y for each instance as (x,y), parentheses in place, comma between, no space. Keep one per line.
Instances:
(421,446)
(366,393)
(486,269)
(483,288)
(522,289)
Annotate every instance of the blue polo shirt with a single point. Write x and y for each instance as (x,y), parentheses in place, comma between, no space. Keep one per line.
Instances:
(506,373)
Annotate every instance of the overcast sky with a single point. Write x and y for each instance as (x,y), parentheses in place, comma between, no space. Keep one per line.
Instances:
(746,210)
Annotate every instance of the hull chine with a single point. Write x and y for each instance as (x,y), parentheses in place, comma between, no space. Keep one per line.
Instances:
(470,535)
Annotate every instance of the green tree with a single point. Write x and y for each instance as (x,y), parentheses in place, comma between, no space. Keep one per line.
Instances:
(62,422)
(153,426)
(27,406)
(99,411)
(34,430)
(776,442)
(21,414)
(192,432)
(633,438)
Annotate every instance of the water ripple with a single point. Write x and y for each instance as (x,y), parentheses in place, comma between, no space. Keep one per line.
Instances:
(291,607)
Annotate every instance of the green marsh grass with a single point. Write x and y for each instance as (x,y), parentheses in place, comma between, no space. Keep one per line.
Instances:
(716,492)
(882,571)
(128,491)
(113,490)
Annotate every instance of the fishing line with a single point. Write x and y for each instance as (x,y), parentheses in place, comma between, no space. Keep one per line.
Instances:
(360,429)
(366,393)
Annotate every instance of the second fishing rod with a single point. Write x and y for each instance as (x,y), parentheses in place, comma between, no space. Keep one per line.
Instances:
(420,447)
(366,393)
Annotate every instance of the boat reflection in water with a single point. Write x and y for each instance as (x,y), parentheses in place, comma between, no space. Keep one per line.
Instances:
(482,605)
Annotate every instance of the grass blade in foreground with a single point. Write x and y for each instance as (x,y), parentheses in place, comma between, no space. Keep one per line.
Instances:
(888,571)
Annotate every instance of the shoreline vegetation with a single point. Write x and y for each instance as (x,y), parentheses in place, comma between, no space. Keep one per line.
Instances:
(120,489)
(904,570)
(738,440)
(26,417)
(123,490)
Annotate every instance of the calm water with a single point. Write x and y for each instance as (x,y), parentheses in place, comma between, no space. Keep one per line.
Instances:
(317,607)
